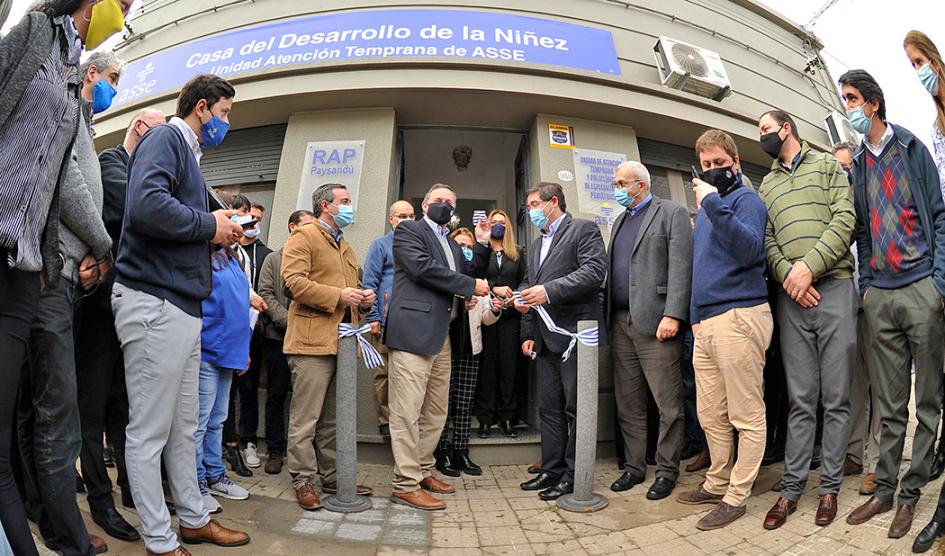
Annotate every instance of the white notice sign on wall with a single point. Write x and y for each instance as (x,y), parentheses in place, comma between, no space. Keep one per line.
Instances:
(331,162)
(594,177)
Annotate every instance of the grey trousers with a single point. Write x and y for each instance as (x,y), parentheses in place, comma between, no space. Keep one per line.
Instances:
(640,360)
(818,346)
(908,328)
(161,346)
(863,447)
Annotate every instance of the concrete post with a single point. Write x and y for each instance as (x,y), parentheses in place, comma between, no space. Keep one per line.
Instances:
(347,500)
(584,499)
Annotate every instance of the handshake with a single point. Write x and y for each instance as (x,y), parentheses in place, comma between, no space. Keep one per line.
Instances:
(353,297)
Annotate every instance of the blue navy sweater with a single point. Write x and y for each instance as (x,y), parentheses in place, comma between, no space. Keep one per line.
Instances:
(166,230)
(728,254)
(224,338)
(379,274)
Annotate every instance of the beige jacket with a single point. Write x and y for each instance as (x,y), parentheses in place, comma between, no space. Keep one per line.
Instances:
(480,315)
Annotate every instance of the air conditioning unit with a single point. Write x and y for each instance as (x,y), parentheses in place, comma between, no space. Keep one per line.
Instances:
(840,129)
(692,69)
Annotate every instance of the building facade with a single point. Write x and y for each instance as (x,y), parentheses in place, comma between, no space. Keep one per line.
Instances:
(490,96)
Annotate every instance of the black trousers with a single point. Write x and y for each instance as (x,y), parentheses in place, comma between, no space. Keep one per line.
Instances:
(694,432)
(776,402)
(19,296)
(499,366)
(278,384)
(247,384)
(48,413)
(557,410)
(103,399)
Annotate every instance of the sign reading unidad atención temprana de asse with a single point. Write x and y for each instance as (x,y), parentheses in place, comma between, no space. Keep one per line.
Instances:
(381,34)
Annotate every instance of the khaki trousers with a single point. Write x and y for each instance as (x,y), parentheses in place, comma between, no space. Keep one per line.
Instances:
(729,359)
(312,418)
(419,388)
(380,382)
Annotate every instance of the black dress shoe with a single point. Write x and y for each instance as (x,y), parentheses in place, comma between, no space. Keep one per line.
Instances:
(927,536)
(446,465)
(626,481)
(235,459)
(815,463)
(462,462)
(770,458)
(651,459)
(540,481)
(690,450)
(507,429)
(557,491)
(661,488)
(115,525)
(938,462)
(484,430)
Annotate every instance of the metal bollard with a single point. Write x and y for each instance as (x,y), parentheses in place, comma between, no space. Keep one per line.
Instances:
(584,499)
(347,500)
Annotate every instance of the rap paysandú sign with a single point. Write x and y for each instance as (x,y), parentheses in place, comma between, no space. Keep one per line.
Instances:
(380,34)
(594,177)
(331,162)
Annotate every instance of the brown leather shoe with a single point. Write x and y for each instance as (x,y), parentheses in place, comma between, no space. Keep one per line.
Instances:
(851,467)
(332,488)
(274,464)
(902,522)
(433,484)
(779,513)
(826,510)
(419,499)
(701,462)
(179,551)
(307,497)
(699,496)
(722,515)
(866,512)
(535,468)
(214,533)
(868,486)
(98,543)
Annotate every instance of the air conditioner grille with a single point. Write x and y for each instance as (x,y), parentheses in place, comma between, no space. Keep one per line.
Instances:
(690,59)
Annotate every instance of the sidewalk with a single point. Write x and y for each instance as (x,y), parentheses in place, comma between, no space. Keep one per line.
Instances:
(491,515)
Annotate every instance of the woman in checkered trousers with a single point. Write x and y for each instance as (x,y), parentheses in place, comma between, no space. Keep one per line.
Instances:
(452,453)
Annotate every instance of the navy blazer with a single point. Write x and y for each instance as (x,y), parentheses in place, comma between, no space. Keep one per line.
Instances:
(572,273)
(424,288)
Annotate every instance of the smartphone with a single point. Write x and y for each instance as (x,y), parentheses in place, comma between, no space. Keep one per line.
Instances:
(478,216)
(695,173)
(246,221)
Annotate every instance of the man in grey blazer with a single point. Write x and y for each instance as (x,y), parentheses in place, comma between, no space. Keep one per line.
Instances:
(648,287)
(567,267)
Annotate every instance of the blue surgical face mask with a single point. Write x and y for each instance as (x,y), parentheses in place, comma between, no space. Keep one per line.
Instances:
(345,215)
(213,131)
(102,95)
(623,196)
(859,121)
(538,217)
(467,252)
(929,79)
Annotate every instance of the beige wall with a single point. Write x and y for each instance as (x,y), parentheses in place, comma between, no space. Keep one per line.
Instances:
(377,128)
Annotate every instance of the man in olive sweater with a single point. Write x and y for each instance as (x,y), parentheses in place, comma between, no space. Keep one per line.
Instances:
(807,240)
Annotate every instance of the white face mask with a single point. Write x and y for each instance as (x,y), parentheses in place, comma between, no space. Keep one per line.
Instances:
(252,232)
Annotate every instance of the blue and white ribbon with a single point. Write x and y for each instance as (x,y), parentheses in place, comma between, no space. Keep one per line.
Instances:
(371,357)
(588,337)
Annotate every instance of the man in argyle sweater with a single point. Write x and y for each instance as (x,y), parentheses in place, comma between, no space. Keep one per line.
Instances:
(900,231)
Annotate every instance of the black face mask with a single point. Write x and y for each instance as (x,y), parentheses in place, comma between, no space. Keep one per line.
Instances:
(498,231)
(440,212)
(724,179)
(771,143)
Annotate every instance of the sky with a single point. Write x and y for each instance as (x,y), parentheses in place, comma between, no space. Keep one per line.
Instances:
(839,29)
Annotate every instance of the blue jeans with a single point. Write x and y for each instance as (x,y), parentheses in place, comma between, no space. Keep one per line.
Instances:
(214,403)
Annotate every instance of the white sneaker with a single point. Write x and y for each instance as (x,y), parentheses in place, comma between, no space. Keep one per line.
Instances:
(228,489)
(250,456)
(209,502)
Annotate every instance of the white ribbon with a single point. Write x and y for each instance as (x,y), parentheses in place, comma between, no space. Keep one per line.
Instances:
(371,357)
(588,337)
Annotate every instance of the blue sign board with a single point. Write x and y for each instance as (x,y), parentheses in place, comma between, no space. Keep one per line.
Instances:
(381,34)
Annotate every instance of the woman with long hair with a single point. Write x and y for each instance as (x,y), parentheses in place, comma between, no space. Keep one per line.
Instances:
(501,354)
(927,62)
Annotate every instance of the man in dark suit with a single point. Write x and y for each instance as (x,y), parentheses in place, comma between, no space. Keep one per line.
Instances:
(567,267)
(431,282)
(648,286)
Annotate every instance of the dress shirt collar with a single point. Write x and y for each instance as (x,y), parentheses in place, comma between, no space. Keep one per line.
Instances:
(440,231)
(553,227)
(335,235)
(189,136)
(877,150)
(633,211)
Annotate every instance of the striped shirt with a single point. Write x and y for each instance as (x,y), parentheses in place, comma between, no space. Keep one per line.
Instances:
(35,141)
(810,217)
